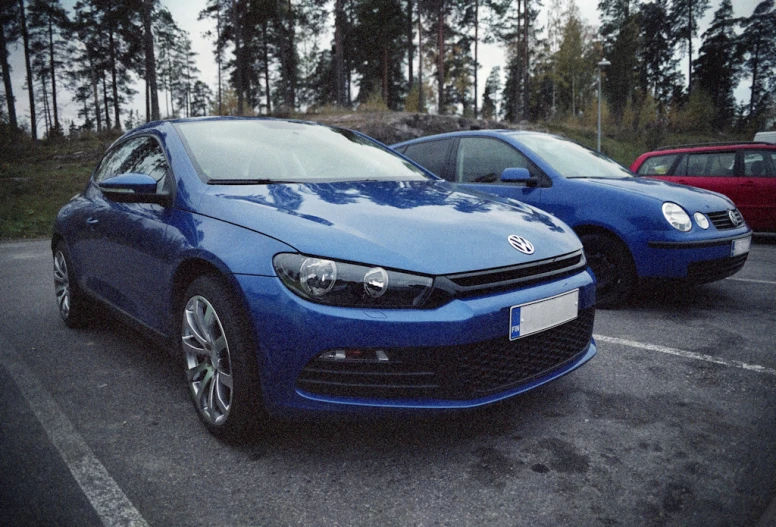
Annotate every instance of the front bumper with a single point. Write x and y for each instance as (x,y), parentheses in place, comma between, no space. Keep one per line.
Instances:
(690,258)
(461,336)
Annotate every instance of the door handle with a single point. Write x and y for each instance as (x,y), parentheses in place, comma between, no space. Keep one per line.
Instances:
(91,220)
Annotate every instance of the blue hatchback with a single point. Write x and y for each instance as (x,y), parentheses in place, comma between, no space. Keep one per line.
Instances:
(296,267)
(632,228)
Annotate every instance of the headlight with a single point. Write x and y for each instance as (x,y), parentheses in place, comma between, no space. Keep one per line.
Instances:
(351,285)
(701,220)
(676,216)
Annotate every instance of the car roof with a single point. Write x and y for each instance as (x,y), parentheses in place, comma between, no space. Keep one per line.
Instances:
(495,132)
(708,147)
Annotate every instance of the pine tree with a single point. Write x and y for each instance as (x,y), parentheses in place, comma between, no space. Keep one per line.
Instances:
(658,67)
(685,14)
(757,44)
(620,34)
(9,32)
(490,96)
(49,34)
(717,68)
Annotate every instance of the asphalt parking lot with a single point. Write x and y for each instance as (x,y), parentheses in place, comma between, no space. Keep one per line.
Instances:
(672,423)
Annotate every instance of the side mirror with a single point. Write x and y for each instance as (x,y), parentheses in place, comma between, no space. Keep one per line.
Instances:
(133,188)
(515,175)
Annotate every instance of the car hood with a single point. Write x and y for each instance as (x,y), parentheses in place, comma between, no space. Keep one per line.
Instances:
(424,226)
(691,198)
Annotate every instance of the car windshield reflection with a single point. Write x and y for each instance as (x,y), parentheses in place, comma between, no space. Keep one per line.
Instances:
(572,160)
(265,151)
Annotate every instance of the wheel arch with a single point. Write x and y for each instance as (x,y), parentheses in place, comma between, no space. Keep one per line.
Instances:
(582,230)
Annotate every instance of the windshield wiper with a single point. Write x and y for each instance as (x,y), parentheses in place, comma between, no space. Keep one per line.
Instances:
(214,181)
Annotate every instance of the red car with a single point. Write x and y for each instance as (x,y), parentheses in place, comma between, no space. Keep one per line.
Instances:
(744,172)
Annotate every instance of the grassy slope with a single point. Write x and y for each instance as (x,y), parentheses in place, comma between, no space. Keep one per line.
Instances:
(37,179)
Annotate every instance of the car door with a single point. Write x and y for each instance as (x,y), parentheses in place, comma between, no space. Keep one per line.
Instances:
(129,257)
(756,197)
(480,161)
(715,171)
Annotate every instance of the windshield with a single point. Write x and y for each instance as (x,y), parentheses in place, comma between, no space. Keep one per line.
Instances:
(268,151)
(571,160)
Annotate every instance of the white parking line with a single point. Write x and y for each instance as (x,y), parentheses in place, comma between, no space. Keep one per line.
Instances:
(686,354)
(752,281)
(108,500)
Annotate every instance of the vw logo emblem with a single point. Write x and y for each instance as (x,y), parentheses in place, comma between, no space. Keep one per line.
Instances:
(521,244)
(733,217)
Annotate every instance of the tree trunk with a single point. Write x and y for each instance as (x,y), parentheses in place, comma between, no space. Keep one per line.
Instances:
(30,82)
(476,48)
(753,93)
(339,52)
(46,110)
(105,102)
(219,58)
(441,56)
(96,95)
(238,57)
(420,62)
(410,53)
(9,98)
(114,80)
(385,74)
(526,78)
(689,46)
(265,51)
(52,68)
(150,60)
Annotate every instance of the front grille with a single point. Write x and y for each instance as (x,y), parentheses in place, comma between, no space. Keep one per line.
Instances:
(713,270)
(453,372)
(722,221)
(489,281)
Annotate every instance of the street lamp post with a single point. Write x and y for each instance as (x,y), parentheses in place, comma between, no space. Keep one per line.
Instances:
(601,65)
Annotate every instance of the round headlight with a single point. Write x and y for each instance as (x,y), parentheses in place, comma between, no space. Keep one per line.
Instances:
(317,277)
(701,220)
(676,216)
(376,282)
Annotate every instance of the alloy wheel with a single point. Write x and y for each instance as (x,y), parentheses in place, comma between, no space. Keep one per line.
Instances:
(207,359)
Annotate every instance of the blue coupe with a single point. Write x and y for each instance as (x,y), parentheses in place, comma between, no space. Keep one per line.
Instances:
(297,268)
(632,228)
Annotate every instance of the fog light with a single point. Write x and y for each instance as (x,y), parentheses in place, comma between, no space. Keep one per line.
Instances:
(354,354)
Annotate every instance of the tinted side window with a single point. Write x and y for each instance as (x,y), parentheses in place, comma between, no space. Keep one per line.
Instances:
(482,160)
(658,165)
(432,155)
(718,164)
(113,161)
(142,155)
(758,164)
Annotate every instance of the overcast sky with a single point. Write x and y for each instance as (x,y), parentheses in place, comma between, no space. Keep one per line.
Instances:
(185,13)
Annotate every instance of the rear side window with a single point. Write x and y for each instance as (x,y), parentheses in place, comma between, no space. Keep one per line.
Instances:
(431,155)
(715,164)
(758,164)
(482,160)
(658,165)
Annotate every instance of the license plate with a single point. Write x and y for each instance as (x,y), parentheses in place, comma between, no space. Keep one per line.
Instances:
(741,246)
(533,317)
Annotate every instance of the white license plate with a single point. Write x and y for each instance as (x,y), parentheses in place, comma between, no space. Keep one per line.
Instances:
(741,246)
(533,317)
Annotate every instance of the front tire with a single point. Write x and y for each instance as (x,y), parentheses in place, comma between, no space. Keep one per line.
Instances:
(220,361)
(613,267)
(72,303)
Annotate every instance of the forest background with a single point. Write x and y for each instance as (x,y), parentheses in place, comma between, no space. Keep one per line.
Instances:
(89,69)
